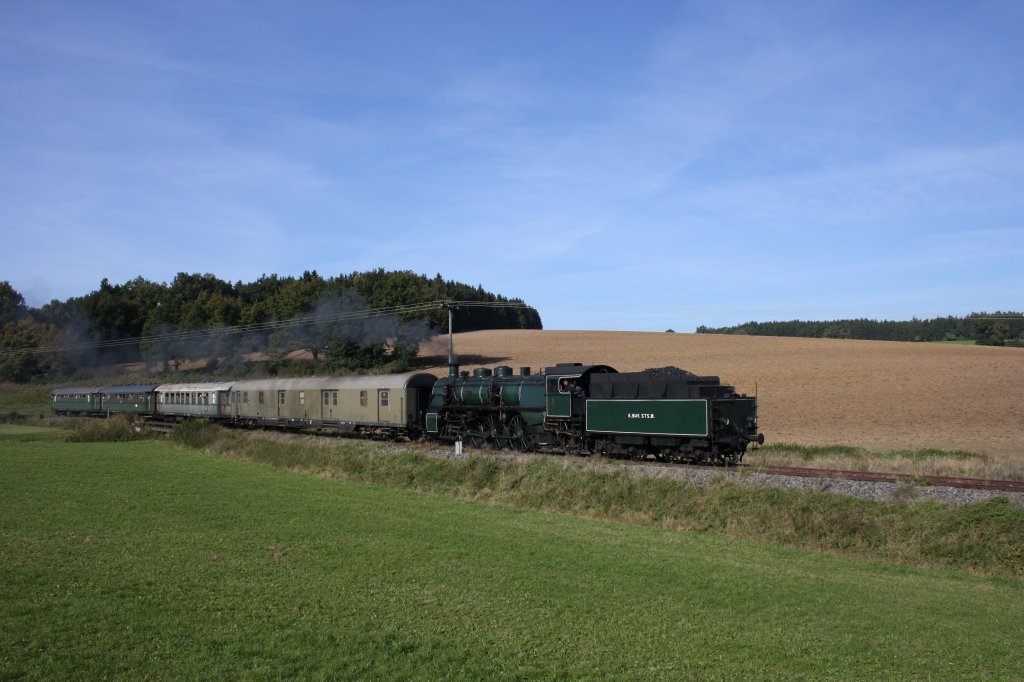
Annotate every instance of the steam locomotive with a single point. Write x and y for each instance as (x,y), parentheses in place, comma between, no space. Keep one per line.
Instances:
(667,414)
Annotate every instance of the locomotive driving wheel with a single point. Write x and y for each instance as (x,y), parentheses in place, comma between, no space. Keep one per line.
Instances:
(516,435)
(483,433)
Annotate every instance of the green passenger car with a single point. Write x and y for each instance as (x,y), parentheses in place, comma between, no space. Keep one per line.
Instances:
(76,400)
(128,399)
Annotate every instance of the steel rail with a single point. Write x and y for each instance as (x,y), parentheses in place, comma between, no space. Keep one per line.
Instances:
(880,477)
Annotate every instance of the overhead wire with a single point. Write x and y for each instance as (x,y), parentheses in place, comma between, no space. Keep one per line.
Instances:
(270,325)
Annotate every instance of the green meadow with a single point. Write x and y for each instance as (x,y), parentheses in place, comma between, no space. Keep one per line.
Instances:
(24,432)
(141,560)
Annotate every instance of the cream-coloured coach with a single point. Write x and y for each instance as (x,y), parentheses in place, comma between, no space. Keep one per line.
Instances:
(209,400)
(383,402)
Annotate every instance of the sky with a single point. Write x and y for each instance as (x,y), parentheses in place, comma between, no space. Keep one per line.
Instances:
(618,166)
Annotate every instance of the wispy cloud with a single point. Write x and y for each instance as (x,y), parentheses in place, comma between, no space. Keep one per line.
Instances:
(582,162)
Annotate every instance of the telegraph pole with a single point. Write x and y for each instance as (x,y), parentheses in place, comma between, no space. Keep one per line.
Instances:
(452,360)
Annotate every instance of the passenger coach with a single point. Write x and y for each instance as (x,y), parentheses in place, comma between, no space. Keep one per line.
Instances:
(199,400)
(105,400)
(384,404)
(76,400)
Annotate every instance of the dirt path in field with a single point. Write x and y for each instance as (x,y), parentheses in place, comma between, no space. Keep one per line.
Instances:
(876,394)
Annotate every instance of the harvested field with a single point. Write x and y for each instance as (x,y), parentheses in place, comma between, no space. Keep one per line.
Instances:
(875,394)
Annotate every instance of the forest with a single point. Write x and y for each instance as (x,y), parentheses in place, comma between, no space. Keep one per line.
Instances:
(988,329)
(364,321)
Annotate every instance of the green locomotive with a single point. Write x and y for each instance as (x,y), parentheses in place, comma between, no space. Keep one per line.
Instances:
(667,414)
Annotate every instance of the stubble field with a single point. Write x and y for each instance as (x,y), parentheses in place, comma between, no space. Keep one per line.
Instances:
(878,395)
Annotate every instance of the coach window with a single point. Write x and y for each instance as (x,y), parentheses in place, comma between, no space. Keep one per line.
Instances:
(302,397)
(327,398)
(384,398)
(334,397)
(261,397)
(245,397)
(280,397)
(362,398)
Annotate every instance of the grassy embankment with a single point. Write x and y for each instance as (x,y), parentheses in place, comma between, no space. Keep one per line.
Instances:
(983,537)
(25,400)
(143,561)
(921,462)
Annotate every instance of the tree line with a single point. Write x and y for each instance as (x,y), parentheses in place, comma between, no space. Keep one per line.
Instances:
(989,329)
(200,318)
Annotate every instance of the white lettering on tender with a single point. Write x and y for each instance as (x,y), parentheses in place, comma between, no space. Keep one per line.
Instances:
(640,415)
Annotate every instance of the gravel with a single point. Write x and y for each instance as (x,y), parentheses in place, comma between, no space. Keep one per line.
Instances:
(696,475)
(865,490)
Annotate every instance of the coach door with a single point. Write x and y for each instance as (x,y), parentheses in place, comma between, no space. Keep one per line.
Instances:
(384,405)
(329,404)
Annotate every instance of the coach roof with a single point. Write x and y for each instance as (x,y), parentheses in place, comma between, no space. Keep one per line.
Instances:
(129,388)
(360,382)
(210,387)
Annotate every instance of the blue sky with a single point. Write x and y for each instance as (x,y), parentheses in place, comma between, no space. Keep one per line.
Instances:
(633,166)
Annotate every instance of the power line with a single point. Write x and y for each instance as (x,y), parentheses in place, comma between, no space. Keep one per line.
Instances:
(272,325)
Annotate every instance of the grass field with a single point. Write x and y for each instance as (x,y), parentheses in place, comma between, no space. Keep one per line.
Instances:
(26,399)
(137,560)
(22,432)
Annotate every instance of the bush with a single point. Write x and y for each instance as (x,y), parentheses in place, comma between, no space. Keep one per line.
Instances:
(118,428)
(195,433)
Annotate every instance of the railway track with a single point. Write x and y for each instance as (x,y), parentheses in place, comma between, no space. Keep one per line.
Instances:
(914,479)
